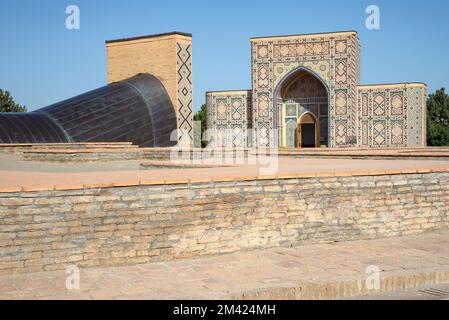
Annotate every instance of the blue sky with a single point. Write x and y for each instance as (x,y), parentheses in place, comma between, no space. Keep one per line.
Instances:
(41,62)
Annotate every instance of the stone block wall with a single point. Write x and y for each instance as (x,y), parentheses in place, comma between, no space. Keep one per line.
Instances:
(50,229)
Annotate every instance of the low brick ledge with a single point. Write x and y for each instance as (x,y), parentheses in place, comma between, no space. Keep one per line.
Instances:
(192,165)
(133,183)
(8,145)
(88,151)
(347,288)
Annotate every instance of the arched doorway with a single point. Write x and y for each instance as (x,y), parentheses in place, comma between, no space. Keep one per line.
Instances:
(307,131)
(302,110)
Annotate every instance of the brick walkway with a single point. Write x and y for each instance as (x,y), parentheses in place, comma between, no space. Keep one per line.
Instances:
(311,271)
(74,176)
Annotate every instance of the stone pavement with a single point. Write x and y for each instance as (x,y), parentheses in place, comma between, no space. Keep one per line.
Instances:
(319,271)
(15,173)
(428,292)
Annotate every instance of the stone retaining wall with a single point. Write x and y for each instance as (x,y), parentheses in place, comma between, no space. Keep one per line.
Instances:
(20,148)
(93,155)
(50,229)
(114,153)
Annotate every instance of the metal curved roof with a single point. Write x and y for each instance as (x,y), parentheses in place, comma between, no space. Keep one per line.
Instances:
(29,128)
(137,110)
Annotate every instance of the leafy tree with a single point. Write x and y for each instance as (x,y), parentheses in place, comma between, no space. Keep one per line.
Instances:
(201,115)
(7,103)
(438,119)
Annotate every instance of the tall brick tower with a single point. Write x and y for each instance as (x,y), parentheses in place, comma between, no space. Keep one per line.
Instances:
(167,56)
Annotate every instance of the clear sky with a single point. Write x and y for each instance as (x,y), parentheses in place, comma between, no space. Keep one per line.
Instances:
(41,62)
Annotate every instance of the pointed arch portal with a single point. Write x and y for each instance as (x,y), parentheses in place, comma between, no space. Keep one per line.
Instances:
(302,107)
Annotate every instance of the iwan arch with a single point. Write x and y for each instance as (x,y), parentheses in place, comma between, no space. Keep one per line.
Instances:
(306,92)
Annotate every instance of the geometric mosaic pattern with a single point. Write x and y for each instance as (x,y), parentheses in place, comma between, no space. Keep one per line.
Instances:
(304,94)
(349,114)
(305,87)
(263,104)
(397,133)
(341,72)
(391,115)
(341,132)
(379,104)
(185,100)
(341,46)
(263,134)
(341,102)
(222,109)
(311,48)
(379,134)
(236,109)
(397,103)
(229,113)
(333,58)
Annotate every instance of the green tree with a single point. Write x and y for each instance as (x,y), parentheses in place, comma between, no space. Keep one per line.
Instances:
(438,119)
(7,103)
(201,115)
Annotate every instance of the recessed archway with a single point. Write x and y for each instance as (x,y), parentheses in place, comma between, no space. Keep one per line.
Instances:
(302,94)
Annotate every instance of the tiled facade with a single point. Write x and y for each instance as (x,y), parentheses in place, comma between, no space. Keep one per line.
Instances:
(319,74)
(231,118)
(184,85)
(391,115)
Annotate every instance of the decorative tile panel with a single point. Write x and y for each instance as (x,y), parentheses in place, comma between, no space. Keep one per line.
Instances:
(349,114)
(392,115)
(229,115)
(185,91)
(331,58)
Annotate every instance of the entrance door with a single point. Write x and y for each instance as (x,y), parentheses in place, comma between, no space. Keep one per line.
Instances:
(307,135)
(307,132)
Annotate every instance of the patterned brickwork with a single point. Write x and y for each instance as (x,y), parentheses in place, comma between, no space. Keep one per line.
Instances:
(185,93)
(228,113)
(333,58)
(304,94)
(391,115)
(352,115)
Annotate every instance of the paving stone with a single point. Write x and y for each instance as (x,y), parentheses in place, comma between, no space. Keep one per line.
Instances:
(255,274)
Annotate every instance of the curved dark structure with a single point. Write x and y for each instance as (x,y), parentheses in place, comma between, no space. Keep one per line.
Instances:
(136,110)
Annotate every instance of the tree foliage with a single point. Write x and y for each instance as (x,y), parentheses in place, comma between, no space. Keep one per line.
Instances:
(201,115)
(438,119)
(7,103)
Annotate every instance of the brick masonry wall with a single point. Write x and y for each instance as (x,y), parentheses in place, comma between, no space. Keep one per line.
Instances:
(86,155)
(168,57)
(48,230)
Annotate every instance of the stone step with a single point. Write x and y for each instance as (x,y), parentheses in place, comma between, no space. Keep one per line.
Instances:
(316,271)
(20,148)
(83,155)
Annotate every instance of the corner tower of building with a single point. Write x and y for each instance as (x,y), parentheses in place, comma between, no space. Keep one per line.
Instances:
(167,56)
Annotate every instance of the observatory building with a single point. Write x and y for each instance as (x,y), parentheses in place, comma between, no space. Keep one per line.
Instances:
(148,98)
(306,92)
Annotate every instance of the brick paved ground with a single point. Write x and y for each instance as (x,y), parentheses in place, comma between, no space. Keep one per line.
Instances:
(17,173)
(311,271)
